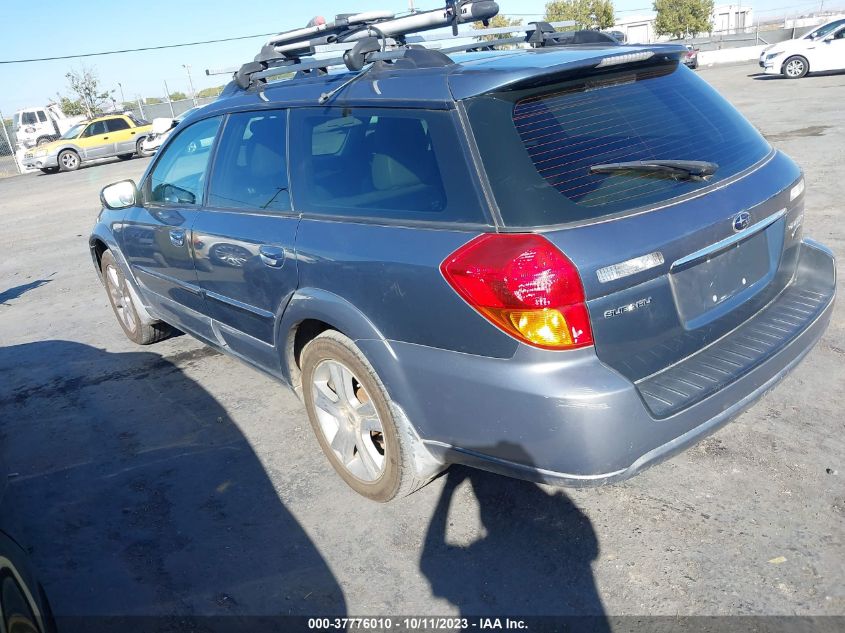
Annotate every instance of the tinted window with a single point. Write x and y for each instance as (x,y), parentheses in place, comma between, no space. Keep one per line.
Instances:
(42,116)
(29,118)
(250,170)
(405,164)
(95,128)
(115,125)
(538,147)
(179,174)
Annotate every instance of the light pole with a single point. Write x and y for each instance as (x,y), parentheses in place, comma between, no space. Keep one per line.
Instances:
(187,67)
(122,98)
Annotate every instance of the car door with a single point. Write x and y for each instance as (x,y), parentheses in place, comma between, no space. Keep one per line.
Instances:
(122,134)
(156,237)
(830,52)
(243,240)
(95,142)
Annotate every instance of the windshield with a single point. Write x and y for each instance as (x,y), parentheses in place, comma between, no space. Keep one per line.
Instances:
(17,120)
(73,132)
(538,146)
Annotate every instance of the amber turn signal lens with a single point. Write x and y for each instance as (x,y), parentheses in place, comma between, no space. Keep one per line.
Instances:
(547,328)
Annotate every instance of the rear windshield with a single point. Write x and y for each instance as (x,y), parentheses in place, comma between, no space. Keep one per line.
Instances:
(538,146)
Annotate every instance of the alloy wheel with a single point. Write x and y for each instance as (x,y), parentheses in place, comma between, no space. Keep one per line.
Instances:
(69,160)
(348,420)
(121,299)
(795,68)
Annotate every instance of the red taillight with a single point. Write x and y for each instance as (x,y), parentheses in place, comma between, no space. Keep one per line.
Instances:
(523,285)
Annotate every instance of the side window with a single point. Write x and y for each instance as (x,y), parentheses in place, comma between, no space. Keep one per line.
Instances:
(250,170)
(42,116)
(179,173)
(381,163)
(840,35)
(29,118)
(94,129)
(116,125)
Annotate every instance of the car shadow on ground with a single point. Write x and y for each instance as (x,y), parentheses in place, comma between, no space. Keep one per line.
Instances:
(533,559)
(812,75)
(14,293)
(138,495)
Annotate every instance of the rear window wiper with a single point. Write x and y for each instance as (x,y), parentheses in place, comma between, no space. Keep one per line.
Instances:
(681,169)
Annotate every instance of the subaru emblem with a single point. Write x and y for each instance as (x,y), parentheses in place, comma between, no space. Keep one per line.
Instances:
(742,221)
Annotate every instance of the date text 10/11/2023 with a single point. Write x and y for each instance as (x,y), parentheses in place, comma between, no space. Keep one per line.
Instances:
(416,624)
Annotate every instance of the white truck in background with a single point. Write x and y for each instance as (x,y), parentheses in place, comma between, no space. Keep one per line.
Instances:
(39,125)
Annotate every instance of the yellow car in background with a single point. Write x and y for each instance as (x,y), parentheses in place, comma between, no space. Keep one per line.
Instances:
(120,135)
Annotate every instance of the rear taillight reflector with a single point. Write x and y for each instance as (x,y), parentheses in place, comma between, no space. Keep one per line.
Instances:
(524,285)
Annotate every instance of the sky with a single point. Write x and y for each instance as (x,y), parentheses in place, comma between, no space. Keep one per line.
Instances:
(68,27)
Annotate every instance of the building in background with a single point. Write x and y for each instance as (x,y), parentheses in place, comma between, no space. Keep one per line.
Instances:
(726,19)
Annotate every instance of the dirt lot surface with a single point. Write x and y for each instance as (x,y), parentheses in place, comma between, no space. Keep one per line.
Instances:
(172,480)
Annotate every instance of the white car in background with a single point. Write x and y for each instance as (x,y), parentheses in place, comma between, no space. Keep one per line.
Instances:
(819,50)
(162,127)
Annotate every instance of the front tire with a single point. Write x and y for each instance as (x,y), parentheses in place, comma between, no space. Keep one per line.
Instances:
(50,170)
(69,160)
(139,149)
(349,410)
(124,308)
(796,67)
(126,156)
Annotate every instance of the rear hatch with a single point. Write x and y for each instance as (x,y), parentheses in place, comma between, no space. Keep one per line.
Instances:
(670,262)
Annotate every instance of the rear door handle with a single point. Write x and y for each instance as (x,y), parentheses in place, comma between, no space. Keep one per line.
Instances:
(272,256)
(177,237)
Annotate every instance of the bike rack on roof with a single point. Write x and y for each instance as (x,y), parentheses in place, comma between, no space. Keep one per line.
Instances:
(380,37)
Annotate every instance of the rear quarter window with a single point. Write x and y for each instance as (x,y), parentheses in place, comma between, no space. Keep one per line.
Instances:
(537,147)
(381,163)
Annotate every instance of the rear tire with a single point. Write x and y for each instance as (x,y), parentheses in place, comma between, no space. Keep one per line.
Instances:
(68,160)
(50,170)
(124,306)
(354,422)
(796,67)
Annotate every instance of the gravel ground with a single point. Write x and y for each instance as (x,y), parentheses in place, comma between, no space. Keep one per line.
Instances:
(174,481)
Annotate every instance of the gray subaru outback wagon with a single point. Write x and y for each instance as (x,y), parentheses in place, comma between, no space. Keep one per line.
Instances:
(564,263)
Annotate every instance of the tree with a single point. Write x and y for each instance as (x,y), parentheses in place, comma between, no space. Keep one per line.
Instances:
(178,96)
(86,86)
(152,100)
(587,14)
(210,92)
(70,107)
(498,22)
(681,18)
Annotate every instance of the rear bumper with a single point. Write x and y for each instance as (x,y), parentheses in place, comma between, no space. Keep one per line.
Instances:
(568,419)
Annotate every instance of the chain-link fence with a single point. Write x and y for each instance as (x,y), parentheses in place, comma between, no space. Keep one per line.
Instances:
(168,109)
(8,165)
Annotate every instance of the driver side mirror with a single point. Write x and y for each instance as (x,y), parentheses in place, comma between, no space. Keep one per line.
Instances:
(120,195)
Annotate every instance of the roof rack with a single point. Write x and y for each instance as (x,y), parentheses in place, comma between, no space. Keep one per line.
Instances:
(383,37)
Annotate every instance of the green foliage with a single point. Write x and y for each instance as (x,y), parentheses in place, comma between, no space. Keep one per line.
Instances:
(498,22)
(681,18)
(177,96)
(85,85)
(70,107)
(210,92)
(153,100)
(587,14)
